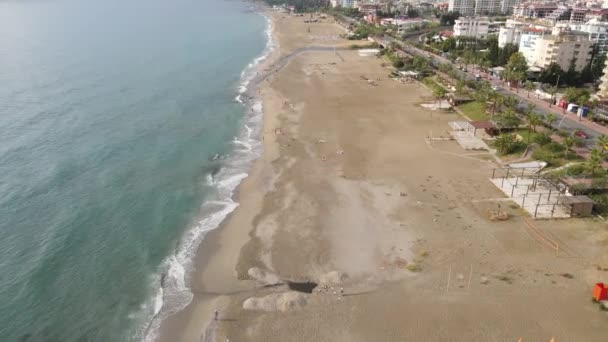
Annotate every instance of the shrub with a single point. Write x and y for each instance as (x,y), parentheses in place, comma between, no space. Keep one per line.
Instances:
(544,155)
(506,143)
(577,170)
(542,139)
(554,147)
(397,63)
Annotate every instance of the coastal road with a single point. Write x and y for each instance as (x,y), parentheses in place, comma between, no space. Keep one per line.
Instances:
(566,121)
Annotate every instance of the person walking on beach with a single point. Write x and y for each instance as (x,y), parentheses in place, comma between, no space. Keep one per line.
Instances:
(216,315)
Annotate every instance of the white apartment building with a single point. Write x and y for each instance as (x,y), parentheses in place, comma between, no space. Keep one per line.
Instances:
(596,31)
(471,27)
(510,33)
(506,6)
(481,7)
(528,43)
(402,24)
(349,3)
(544,49)
(487,7)
(464,7)
(604,85)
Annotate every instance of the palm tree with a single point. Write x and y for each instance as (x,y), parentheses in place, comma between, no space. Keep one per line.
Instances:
(552,91)
(533,121)
(568,143)
(595,161)
(439,93)
(510,102)
(602,143)
(550,119)
(497,101)
(529,87)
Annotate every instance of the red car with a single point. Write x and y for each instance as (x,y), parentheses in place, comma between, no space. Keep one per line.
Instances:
(581,134)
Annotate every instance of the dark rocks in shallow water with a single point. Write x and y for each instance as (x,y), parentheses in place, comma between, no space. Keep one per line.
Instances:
(306,287)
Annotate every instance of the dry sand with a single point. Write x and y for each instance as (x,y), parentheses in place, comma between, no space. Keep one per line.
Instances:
(348,193)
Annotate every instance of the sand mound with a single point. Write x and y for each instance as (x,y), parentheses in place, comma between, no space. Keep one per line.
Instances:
(264,277)
(277,302)
(333,278)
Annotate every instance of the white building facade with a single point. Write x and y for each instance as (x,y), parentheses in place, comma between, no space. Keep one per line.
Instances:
(471,27)
(349,3)
(542,49)
(464,7)
(485,7)
(604,85)
(596,31)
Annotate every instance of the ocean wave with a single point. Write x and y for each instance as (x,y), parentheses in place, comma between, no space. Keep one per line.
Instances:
(174,292)
(251,70)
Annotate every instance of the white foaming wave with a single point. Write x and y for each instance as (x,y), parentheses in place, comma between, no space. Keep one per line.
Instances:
(174,293)
(249,73)
(257,107)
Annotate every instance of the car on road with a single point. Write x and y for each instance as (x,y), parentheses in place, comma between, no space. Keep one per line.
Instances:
(495,88)
(580,134)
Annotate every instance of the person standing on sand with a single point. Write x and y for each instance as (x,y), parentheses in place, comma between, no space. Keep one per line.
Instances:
(216,315)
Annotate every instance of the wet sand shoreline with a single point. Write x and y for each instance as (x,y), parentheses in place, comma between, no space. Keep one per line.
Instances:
(349,194)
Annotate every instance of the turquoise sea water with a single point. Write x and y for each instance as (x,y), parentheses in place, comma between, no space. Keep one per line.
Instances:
(110,115)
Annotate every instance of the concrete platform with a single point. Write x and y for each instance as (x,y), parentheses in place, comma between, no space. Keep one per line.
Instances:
(540,203)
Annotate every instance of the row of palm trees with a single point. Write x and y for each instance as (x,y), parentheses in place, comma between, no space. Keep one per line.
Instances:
(503,113)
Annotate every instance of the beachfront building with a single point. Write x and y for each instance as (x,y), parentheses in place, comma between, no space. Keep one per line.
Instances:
(471,27)
(510,33)
(348,3)
(596,31)
(464,7)
(604,85)
(506,6)
(484,7)
(481,7)
(402,24)
(534,9)
(528,42)
(561,48)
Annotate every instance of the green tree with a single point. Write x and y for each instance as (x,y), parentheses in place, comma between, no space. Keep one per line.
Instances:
(448,44)
(552,90)
(506,119)
(529,86)
(510,102)
(568,144)
(602,143)
(571,77)
(516,69)
(493,53)
(595,161)
(505,143)
(575,95)
(506,53)
(551,74)
(550,119)
(439,93)
(533,121)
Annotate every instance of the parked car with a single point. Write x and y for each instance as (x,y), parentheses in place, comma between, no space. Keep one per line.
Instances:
(495,88)
(580,134)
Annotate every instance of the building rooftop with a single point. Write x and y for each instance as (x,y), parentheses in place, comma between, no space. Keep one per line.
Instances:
(575,199)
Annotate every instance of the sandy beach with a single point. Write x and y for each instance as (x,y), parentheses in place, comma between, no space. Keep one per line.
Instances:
(350,195)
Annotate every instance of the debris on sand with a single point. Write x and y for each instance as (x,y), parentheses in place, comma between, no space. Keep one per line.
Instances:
(286,301)
(497,215)
(333,278)
(264,277)
(484,280)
